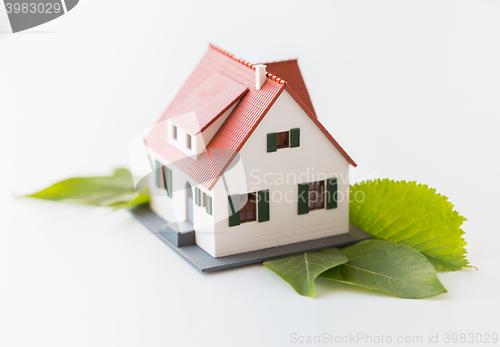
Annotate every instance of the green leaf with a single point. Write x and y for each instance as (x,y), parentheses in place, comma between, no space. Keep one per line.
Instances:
(117,191)
(388,267)
(413,215)
(140,199)
(300,271)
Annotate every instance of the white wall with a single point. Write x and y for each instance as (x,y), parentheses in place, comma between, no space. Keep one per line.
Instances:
(315,159)
(395,71)
(174,209)
(209,132)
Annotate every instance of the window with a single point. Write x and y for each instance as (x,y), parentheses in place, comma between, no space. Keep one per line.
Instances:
(248,207)
(158,173)
(208,204)
(200,197)
(174,132)
(163,177)
(163,181)
(316,195)
(188,141)
(283,139)
(248,212)
(167,180)
(197,195)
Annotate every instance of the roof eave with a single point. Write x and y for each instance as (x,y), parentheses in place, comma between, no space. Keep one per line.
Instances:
(318,123)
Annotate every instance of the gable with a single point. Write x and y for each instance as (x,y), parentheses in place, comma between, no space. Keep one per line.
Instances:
(290,72)
(315,153)
(320,126)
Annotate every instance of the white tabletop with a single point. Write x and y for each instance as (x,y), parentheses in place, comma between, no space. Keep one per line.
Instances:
(410,90)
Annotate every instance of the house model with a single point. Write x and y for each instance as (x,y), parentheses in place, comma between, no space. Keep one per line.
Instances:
(242,162)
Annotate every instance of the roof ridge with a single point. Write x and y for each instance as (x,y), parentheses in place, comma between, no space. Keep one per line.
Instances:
(246,63)
(232,56)
(283,61)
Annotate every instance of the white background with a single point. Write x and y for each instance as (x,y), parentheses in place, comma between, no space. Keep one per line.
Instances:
(410,89)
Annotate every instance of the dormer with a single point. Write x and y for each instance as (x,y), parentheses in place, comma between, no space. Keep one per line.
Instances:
(192,143)
(202,113)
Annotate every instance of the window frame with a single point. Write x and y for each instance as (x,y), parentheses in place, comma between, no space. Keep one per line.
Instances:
(163,180)
(189,142)
(319,189)
(203,197)
(174,132)
(283,139)
(250,206)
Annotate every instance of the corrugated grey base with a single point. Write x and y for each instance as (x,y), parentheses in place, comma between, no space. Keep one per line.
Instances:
(172,232)
(206,263)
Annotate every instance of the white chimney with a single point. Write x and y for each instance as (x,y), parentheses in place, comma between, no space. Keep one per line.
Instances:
(260,75)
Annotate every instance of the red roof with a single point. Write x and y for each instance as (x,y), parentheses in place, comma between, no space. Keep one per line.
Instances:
(209,101)
(216,67)
(290,72)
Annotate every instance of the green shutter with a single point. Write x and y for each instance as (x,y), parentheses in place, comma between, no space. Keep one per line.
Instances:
(234,210)
(263,205)
(168,180)
(197,196)
(303,200)
(331,193)
(272,143)
(295,137)
(158,173)
(208,204)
